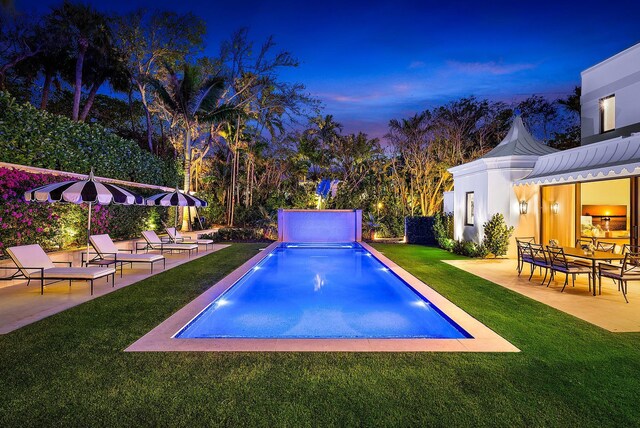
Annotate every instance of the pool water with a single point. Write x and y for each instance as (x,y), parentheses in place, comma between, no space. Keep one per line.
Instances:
(321,291)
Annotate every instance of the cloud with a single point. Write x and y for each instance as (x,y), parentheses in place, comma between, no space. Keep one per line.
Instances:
(490,67)
(348,98)
(417,64)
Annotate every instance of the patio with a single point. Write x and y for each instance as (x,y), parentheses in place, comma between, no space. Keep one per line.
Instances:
(21,305)
(608,310)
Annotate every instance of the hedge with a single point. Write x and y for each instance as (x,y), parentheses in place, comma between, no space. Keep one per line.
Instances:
(29,136)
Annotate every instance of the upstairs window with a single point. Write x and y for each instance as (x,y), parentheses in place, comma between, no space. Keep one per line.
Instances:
(608,113)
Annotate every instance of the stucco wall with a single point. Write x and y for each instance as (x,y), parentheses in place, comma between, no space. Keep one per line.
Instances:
(494,193)
(619,76)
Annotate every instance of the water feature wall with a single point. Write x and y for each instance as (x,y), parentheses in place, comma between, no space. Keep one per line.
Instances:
(319,225)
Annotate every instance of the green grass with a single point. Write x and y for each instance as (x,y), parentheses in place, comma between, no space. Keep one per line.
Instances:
(70,369)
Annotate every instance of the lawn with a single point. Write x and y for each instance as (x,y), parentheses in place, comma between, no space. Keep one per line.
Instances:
(70,369)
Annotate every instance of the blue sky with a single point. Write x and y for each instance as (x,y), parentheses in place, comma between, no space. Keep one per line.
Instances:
(373,61)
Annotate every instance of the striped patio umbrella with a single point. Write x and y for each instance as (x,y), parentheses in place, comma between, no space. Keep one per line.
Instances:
(176,199)
(88,191)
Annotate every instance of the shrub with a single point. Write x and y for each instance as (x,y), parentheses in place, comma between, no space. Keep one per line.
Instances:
(443,230)
(419,230)
(496,235)
(469,249)
(237,234)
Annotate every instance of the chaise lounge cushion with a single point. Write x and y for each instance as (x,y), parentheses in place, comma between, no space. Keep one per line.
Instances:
(154,242)
(33,256)
(175,235)
(75,273)
(105,247)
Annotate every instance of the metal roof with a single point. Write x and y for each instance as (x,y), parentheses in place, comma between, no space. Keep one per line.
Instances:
(519,142)
(618,157)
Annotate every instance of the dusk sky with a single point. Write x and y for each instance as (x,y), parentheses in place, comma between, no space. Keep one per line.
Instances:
(373,61)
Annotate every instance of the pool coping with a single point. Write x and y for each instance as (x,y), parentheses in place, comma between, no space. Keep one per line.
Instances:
(160,339)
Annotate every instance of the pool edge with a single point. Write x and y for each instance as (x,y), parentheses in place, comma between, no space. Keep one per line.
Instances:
(160,338)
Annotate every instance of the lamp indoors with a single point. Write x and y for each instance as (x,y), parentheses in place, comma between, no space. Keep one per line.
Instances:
(555,207)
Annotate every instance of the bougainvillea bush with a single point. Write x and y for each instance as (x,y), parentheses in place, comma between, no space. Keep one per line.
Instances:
(63,225)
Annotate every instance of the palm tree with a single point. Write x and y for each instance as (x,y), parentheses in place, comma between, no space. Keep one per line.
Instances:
(193,99)
(103,65)
(81,27)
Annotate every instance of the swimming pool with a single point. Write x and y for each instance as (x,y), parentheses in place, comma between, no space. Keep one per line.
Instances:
(321,291)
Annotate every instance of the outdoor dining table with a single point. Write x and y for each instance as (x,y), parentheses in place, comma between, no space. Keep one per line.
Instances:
(594,257)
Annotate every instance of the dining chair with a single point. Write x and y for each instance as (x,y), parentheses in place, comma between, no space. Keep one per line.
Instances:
(539,259)
(629,271)
(607,247)
(581,241)
(559,263)
(521,243)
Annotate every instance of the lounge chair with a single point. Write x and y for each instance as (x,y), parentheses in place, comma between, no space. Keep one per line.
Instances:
(107,250)
(153,242)
(176,237)
(33,263)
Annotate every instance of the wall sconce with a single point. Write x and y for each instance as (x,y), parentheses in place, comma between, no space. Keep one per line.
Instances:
(555,207)
(524,207)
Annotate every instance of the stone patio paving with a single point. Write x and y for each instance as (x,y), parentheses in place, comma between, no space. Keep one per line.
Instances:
(608,310)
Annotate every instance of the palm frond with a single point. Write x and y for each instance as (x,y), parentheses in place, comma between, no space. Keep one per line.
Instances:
(163,94)
(208,96)
(223,113)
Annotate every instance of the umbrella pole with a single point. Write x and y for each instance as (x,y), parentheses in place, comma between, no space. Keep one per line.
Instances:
(88,231)
(175,219)
(199,219)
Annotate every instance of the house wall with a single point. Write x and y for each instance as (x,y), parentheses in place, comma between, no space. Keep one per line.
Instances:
(619,76)
(448,202)
(494,193)
(478,184)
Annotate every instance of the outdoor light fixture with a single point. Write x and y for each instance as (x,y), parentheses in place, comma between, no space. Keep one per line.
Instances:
(524,206)
(555,207)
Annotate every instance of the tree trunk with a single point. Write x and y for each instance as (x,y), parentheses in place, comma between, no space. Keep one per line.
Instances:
(130,97)
(46,89)
(90,99)
(83,44)
(145,104)
(149,129)
(186,225)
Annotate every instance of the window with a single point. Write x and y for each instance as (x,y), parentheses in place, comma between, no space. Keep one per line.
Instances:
(469,210)
(608,113)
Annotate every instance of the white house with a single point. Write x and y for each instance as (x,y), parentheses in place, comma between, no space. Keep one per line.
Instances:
(591,191)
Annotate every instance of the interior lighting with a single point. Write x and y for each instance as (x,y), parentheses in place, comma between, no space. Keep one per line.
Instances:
(555,207)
